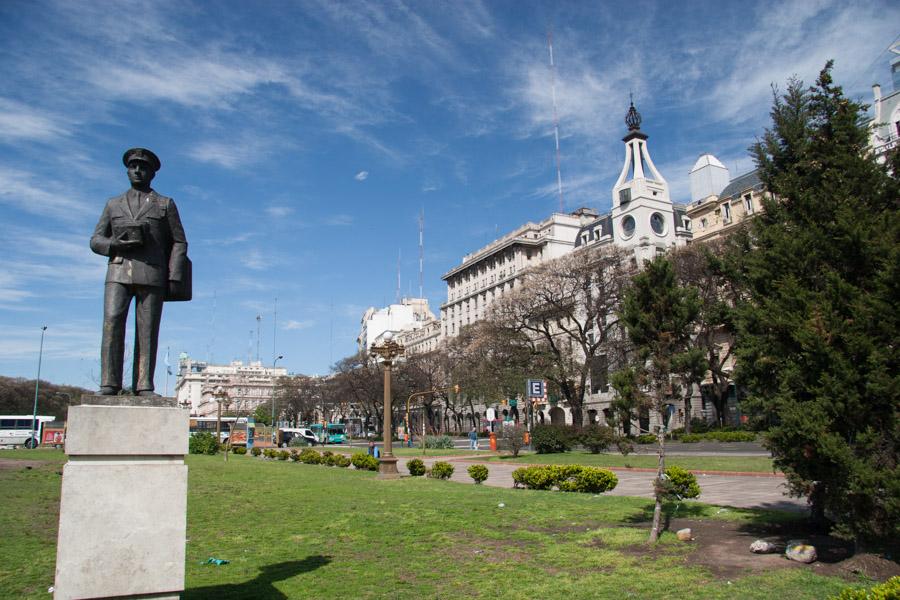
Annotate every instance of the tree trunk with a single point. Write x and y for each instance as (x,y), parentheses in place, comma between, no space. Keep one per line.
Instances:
(660,471)
(687,408)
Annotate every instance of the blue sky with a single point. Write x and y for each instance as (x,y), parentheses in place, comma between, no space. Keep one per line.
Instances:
(301,140)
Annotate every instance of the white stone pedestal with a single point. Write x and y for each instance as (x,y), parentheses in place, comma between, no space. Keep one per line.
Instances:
(123,508)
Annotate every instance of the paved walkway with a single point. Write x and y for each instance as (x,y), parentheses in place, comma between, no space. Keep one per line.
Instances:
(751,490)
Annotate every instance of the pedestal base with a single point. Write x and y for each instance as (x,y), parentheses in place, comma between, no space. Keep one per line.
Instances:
(123,506)
(387,468)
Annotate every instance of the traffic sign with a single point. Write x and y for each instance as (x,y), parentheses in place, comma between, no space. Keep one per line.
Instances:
(535,388)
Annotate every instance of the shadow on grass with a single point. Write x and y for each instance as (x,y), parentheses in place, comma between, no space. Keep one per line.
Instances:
(261,586)
(760,519)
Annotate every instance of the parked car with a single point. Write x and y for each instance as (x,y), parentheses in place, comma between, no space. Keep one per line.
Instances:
(286,434)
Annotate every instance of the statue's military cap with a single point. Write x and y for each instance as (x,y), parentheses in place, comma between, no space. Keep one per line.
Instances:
(141,154)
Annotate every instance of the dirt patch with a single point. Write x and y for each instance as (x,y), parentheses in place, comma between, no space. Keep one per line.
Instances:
(14,464)
(723,548)
(489,550)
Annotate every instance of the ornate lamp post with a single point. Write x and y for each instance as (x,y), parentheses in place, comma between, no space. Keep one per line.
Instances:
(388,350)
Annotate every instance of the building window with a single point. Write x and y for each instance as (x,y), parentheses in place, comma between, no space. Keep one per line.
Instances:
(628,226)
(657,223)
(625,196)
(703,223)
(726,212)
(748,204)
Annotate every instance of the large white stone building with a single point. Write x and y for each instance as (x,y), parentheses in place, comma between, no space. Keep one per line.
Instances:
(244,386)
(409,314)
(885,132)
(487,273)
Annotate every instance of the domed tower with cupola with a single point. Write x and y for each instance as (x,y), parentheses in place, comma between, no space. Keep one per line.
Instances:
(643,215)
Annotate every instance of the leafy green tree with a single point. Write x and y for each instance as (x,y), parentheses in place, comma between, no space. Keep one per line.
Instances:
(659,316)
(817,331)
(262,415)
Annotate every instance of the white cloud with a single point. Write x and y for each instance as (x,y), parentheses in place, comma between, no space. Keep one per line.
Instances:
(21,190)
(339,220)
(279,211)
(22,122)
(254,259)
(291,324)
(70,339)
(361,176)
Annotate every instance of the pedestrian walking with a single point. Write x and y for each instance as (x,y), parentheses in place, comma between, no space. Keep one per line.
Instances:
(473,439)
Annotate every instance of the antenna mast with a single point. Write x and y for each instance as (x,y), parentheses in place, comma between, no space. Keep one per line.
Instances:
(258,322)
(555,118)
(421,252)
(274,331)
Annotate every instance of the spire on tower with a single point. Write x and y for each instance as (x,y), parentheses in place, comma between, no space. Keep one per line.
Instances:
(633,118)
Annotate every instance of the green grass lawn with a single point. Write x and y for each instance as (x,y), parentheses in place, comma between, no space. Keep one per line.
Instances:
(748,464)
(303,531)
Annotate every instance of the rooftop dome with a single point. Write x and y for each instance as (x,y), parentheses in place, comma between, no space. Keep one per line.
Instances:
(707,160)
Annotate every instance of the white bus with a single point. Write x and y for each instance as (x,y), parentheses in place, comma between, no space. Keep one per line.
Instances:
(15,430)
(233,428)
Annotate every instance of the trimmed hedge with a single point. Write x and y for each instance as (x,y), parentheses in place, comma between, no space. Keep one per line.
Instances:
(679,484)
(439,442)
(364,462)
(256,451)
(416,467)
(718,436)
(310,457)
(596,438)
(478,472)
(889,590)
(567,478)
(645,438)
(239,450)
(441,470)
(203,443)
(550,439)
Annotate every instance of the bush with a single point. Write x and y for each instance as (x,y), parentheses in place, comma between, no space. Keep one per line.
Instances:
(203,443)
(718,436)
(416,467)
(256,451)
(364,462)
(478,472)
(645,438)
(590,480)
(310,457)
(691,438)
(512,438)
(441,442)
(441,470)
(624,445)
(298,442)
(889,590)
(568,478)
(295,456)
(679,484)
(239,450)
(596,438)
(327,453)
(284,455)
(339,460)
(549,439)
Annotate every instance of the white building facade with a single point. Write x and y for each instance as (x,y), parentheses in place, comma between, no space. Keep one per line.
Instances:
(408,315)
(885,126)
(488,273)
(245,387)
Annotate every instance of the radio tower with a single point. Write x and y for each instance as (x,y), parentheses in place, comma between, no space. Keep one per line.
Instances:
(555,118)
(421,252)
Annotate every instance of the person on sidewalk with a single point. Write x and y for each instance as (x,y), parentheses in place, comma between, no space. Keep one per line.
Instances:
(473,439)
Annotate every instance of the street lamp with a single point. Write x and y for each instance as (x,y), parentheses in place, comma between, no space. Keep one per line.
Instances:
(274,364)
(387,351)
(37,383)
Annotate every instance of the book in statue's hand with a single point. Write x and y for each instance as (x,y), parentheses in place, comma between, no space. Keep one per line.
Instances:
(131,234)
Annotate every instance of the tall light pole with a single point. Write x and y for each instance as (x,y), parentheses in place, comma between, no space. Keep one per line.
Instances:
(274,364)
(387,351)
(37,383)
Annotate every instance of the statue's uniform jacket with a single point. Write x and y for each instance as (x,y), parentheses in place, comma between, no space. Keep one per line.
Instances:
(143,273)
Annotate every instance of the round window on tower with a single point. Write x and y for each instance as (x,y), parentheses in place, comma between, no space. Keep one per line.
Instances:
(628,226)
(657,224)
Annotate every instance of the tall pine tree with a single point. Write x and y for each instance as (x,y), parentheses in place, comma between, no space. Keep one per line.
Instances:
(659,316)
(817,331)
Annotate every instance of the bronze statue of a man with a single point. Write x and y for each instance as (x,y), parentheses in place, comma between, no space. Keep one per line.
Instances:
(141,233)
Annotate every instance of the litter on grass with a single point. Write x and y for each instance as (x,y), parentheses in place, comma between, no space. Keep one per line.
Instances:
(214,561)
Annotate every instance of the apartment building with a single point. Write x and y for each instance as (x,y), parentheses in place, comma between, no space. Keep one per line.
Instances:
(245,386)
